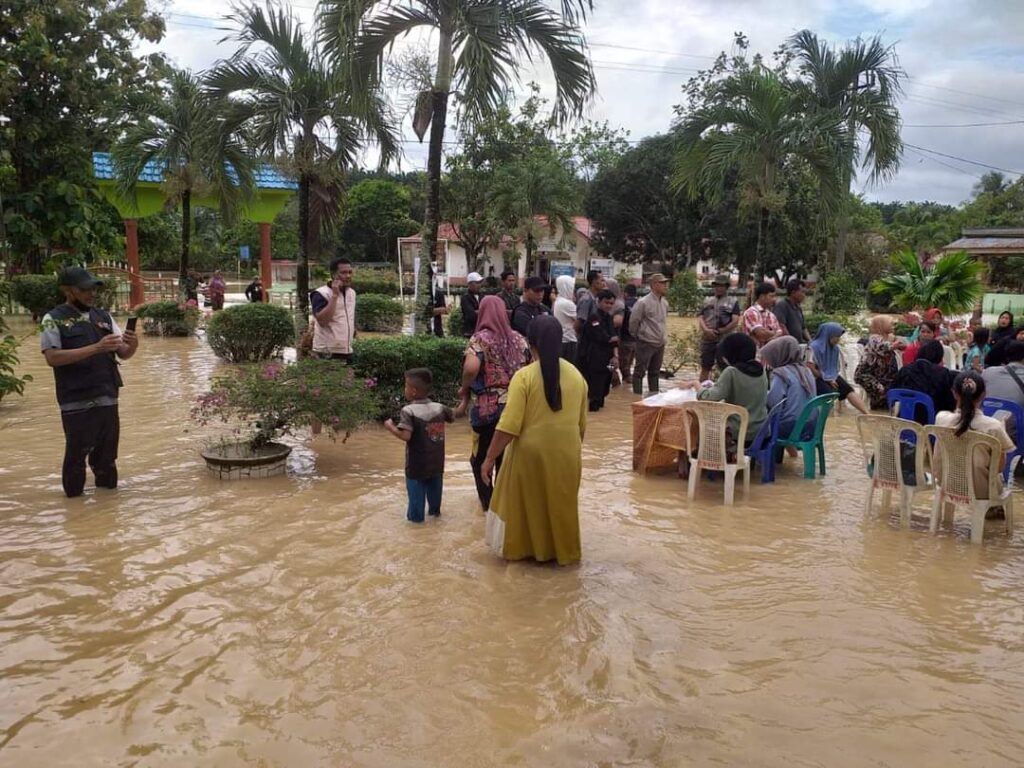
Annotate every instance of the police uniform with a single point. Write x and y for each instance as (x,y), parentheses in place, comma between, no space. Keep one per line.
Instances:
(717,313)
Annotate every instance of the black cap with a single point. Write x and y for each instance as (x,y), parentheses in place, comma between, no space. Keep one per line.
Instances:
(78,277)
(533,283)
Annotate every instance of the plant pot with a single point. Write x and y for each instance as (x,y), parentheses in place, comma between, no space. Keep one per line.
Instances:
(238,461)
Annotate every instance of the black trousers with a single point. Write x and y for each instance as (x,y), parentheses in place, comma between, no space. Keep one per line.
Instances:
(91,434)
(599,384)
(484,436)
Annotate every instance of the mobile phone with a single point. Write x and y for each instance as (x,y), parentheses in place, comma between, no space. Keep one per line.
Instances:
(131,323)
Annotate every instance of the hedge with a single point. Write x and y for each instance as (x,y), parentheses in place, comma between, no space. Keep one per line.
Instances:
(386,360)
(248,333)
(374,285)
(378,313)
(36,293)
(168,318)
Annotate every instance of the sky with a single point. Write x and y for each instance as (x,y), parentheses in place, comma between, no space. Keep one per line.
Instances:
(964,60)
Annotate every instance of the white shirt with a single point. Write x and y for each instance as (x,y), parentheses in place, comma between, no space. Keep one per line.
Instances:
(565,312)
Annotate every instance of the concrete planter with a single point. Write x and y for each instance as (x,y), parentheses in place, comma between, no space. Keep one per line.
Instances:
(237,461)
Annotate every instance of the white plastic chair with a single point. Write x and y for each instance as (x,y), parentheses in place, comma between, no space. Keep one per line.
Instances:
(880,439)
(954,478)
(949,358)
(958,355)
(712,420)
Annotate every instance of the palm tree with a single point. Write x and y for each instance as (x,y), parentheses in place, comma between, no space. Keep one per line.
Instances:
(953,283)
(303,112)
(861,82)
(195,139)
(754,125)
(481,44)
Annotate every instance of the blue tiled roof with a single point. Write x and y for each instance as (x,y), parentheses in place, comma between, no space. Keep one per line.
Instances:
(266,176)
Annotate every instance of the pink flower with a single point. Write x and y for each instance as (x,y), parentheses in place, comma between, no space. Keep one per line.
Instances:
(371,383)
(315,392)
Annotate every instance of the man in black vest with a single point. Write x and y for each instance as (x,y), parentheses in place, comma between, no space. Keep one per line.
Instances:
(80,343)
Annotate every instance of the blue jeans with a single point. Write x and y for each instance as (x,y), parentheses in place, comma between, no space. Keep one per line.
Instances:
(423,492)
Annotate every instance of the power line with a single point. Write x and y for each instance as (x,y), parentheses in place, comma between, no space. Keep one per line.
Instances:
(964,93)
(963,159)
(943,162)
(963,125)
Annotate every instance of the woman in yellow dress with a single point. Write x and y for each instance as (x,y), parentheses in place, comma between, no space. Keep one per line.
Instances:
(534,510)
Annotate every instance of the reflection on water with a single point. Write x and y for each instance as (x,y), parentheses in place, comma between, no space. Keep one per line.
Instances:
(299,621)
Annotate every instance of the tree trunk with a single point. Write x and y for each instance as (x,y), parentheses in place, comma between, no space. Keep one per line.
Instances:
(186,240)
(302,270)
(843,232)
(762,235)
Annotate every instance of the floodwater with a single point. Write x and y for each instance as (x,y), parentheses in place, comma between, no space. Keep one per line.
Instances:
(300,621)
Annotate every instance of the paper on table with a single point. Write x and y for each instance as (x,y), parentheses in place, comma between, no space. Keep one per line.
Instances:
(670,397)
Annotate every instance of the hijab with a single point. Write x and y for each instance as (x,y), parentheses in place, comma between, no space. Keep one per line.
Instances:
(782,355)
(826,355)
(495,332)
(934,315)
(998,334)
(545,336)
(740,351)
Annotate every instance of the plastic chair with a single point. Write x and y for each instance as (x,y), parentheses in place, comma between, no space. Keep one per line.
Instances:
(671,430)
(906,402)
(881,438)
(712,420)
(990,406)
(762,449)
(958,355)
(954,478)
(949,358)
(819,409)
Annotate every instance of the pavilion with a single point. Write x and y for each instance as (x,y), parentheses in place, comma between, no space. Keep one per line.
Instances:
(272,193)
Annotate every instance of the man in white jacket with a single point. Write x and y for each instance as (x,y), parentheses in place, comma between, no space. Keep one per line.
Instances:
(647,324)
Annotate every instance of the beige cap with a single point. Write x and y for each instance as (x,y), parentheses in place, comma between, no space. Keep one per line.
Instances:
(658,277)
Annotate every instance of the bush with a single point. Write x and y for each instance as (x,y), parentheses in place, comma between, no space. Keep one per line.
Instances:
(684,294)
(106,295)
(453,325)
(387,360)
(683,351)
(840,292)
(378,313)
(853,324)
(248,333)
(168,318)
(36,293)
(372,284)
(8,359)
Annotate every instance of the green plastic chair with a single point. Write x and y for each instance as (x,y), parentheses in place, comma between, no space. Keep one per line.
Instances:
(822,406)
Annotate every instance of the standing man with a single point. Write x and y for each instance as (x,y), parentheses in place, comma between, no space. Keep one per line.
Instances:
(81,344)
(440,308)
(587,305)
(334,312)
(508,291)
(627,344)
(531,306)
(254,292)
(470,303)
(647,325)
(789,312)
(758,320)
(718,318)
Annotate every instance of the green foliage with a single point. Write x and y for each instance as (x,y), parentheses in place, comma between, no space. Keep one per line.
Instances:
(387,359)
(453,323)
(378,283)
(9,382)
(839,292)
(168,318)
(901,328)
(378,313)
(276,398)
(249,333)
(953,283)
(684,294)
(852,323)
(36,293)
(376,213)
(108,293)
(683,351)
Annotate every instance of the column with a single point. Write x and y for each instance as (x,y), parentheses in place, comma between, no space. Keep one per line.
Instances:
(136,293)
(266,274)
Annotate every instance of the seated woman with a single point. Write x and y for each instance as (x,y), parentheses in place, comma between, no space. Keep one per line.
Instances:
(969,391)
(877,369)
(980,347)
(926,331)
(1004,328)
(997,355)
(791,380)
(928,376)
(742,383)
(823,358)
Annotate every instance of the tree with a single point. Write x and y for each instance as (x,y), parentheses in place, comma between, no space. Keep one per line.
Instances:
(194,139)
(303,112)
(66,71)
(752,125)
(479,47)
(953,283)
(860,83)
(377,212)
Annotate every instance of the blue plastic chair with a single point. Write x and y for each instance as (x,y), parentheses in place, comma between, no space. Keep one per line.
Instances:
(817,408)
(990,406)
(908,400)
(762,448)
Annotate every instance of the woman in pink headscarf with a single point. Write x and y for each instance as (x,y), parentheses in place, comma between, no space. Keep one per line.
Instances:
(493,354)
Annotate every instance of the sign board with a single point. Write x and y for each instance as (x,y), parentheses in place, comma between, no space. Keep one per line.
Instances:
(243,252)
(562,269)
(604,266)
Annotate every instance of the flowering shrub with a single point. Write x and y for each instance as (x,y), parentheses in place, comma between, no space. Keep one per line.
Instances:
(275,398)
(248,333)
(169,318)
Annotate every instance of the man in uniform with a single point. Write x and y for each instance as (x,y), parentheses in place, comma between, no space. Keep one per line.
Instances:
(81,344)
(508,292)
(718,318)
(531,305)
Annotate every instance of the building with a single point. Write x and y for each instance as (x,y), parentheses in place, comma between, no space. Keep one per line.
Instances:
(986,245)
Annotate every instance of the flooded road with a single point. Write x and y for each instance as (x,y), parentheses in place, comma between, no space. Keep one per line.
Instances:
(300,621)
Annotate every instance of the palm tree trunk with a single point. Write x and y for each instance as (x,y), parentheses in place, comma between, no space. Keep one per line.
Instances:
(762,235)
(302,269)
(186,239)
(432,216)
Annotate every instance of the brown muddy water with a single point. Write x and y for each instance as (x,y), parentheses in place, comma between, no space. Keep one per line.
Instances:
(300,621)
